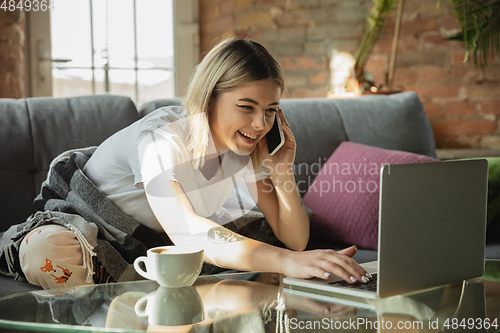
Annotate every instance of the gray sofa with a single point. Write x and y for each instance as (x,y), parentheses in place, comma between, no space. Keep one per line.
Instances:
(35,130)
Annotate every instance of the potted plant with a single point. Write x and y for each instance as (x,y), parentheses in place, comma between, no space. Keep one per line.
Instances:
(480,31)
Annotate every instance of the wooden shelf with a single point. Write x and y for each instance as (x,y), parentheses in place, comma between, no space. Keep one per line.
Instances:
(450,154)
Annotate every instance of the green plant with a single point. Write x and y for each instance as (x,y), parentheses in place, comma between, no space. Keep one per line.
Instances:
(376,20)
(480,24)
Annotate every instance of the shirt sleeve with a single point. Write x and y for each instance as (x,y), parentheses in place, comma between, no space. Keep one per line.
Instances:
(159,158)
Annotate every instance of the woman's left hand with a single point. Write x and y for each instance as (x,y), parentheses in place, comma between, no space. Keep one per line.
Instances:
(280,163)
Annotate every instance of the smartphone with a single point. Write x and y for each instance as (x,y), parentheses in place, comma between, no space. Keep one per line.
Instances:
(275,137)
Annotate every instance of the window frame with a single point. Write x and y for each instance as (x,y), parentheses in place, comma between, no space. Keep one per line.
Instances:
(38,60)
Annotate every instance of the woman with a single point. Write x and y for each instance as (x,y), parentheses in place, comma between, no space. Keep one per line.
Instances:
(176,167)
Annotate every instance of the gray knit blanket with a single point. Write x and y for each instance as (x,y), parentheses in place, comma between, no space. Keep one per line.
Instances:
(110,239)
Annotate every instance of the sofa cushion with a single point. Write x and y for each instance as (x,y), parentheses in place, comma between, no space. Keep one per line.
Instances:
(318,130)
(16,163)
(9,286)
(493,190)
(493,210)
(60,124)
(35,130)
(149,107)
(345,195)
(396,121)
(15,136)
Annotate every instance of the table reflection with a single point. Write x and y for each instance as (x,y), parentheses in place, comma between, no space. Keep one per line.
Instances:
(250,302)
(227,304)
(448,308)
(171,306)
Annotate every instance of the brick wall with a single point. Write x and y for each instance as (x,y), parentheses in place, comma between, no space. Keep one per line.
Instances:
(11,54)
(461,101)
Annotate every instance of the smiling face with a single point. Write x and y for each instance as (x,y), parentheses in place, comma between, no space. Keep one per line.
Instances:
(241,117)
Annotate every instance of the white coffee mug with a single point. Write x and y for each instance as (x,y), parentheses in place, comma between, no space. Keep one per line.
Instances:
(171,266)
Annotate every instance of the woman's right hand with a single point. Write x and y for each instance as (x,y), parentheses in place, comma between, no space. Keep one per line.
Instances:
(322,263)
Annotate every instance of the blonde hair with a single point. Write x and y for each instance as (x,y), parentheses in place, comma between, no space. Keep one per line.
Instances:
(233,63)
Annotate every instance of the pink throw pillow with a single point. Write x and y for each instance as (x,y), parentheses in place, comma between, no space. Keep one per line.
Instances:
(345,194)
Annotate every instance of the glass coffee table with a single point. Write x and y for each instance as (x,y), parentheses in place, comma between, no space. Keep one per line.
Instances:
(249,302)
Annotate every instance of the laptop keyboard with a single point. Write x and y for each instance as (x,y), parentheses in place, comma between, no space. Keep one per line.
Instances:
(370,285)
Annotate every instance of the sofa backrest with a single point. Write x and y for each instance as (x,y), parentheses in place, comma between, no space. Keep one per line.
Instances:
(35,130)
(319,125)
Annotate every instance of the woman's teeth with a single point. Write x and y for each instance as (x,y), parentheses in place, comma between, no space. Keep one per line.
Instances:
(252,137)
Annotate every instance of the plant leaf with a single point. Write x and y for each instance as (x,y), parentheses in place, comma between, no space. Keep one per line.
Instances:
(480,23)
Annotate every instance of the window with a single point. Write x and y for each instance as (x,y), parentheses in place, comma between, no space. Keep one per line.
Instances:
(123,47)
